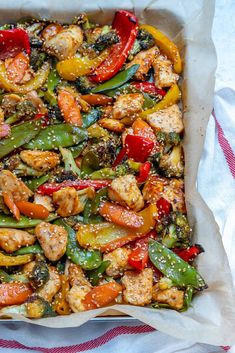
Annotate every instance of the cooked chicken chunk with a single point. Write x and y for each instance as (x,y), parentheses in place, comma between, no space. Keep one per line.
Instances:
(64,44)
(128,105)
(1,115)
(163,72)
(68,202)
(145,59)
(10,184)
(172,296)
(119,262)
(75,297)
(125,191)
(44,200)
(51,287)
(28,268)
(9,103)
(37,102)
(53,240)
(77,276)
(138,287)
(13,239)
(112,125)
(170,189)
(167,120)
(40,160)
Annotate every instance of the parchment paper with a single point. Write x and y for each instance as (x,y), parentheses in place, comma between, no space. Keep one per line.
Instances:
(212,316)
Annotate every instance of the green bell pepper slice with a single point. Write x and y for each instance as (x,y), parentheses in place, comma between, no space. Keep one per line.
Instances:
(91,117)
(55,136)
(90,163)
(173,267)
(32,249)
(95,275)
(33,184)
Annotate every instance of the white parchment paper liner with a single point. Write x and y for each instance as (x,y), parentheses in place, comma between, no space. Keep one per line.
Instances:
(212,316)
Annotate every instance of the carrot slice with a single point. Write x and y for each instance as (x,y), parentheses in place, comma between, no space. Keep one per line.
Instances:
(120,215)
(17,67)
(9,202)
(14,293)
(69,108)
(97,99)
(141,128)
(32,210)
(102,295)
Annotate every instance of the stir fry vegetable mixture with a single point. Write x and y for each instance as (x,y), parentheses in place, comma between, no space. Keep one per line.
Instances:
(91,169)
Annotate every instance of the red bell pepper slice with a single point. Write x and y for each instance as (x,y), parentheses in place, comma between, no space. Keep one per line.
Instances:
(139,257)
(149,87)
(45,120)
(50,188)
(120,157)
(189,254)
(12,42)
(164,207)
(126,25)
(138,147)
(143,172)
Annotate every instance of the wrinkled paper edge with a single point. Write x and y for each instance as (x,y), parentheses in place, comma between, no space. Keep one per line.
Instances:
(211,319)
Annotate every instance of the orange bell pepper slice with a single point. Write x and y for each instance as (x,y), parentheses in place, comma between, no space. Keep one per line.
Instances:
(102,295)
(9,202)
(166,45)
(69,108)
(120,215)
(17,67)
(32,210)
(14,293)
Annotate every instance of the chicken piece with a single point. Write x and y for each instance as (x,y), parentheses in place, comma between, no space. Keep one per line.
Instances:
(37,102)
(1,115)
(9,103)
(167,120)
(53,240)
(163,72)
(45,201)
(68,202)
(112,125)
(77,276)
(138,287)
(107,111)
(28,268)
(15,187)
(40,160)
(125,191)
(170,189)
(119,262)
(172,296)
(51,287)
(127,105)
(64,44)
(145,59)
(13,239)
(75,297)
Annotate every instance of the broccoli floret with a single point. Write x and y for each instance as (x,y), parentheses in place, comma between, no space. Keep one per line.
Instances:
(84,85)
(172,164)
(174,230)
(37,58)
(105,40)
(39,275)
(169,139)
(83,21)
(144,41)
(37,307)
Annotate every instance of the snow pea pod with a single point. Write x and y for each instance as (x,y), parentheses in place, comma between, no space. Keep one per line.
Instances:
(89,217)
(118,80)
(87,259)
(90,118)
(32,249)
(55,136)
(52,81)
(96,274)
(77,150)
(100,196)
(33,184)
(90,163)
(24,222)
(173,267)
(20,135)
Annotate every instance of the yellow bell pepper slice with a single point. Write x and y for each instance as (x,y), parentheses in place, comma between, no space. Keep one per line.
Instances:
(33,84)
(7,260)
(108,236)
(166,45)
(172,96)
(71,69)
